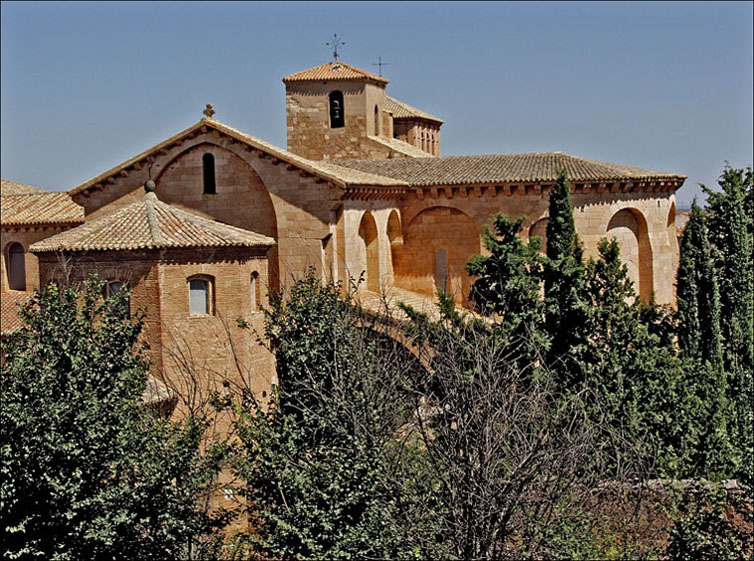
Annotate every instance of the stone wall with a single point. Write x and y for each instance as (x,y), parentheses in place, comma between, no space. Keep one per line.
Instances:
(308,120)
(181,345)
(252,189)
(423,134)
(653,268)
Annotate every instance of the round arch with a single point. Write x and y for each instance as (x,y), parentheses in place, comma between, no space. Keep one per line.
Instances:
(420,265)
(629,227)
(15,263)
(240,199)
(371,252)
(394,228)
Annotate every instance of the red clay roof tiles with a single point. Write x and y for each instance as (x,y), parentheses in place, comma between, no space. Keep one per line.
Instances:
(150,224)
(335,70)
(501,168)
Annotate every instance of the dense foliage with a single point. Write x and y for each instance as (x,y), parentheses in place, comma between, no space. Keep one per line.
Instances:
(87,471)
(730,219)
(689,409)
(318,459)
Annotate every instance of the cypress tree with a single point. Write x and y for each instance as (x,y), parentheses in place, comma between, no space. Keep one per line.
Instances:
(730,232)
(698,294)
(563,272)
(731,228)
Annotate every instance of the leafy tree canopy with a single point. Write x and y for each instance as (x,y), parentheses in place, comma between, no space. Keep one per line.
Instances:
(87,471)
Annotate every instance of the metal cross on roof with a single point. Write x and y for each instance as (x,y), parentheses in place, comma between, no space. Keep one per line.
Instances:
(209,111)
(379,64)
(335,43)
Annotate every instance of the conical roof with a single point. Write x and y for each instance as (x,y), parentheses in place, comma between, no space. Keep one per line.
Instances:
(151,224)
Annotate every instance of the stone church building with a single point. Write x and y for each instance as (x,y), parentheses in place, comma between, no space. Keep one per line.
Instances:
(362,188)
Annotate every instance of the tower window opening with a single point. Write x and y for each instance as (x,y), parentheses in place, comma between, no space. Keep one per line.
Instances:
(337,113)
(208,164)
(376,121)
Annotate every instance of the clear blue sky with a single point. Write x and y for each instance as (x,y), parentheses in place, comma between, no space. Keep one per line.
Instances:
(664,86)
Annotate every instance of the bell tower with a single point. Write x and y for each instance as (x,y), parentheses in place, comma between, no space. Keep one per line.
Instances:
(332,110)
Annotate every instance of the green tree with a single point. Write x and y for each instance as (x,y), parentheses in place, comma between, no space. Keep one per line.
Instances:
(698,295)
(731,231)
(675,407)
(563,273)
(508,281)
(87,471)
(318,461)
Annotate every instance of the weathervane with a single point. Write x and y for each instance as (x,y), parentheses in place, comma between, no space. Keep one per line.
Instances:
(379,64)
(209,111)
(335,43)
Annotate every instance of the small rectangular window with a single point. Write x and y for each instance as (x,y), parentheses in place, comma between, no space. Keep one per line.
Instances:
(198,297)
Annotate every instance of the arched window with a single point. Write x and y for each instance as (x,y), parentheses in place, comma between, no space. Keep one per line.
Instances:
(337,112)
(200,296)
(376,121)
(255,302)
(113,287)
(208,166)
(16,267)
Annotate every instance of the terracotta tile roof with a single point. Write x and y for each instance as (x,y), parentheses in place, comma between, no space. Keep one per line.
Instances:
(402,110)
(502,168)
(335,70)
(8,187)
(399,146)
(150,224)
(337,175)
(9,303)
(39,208)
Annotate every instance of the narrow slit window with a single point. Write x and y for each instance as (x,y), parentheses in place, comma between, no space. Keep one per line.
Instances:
(16,267)
(254,291)
(208,163)
(199,297)
(376,121)
(337,113)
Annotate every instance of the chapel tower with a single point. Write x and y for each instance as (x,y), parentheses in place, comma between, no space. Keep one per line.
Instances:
(336,111)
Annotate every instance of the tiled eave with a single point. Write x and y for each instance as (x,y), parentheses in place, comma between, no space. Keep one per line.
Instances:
(40,224)
(420,120)
(519,188)
(375,192)
(516,188)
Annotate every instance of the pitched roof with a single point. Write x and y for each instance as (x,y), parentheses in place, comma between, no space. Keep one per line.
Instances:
(337,175)
(502,168)
(8,187)
(335,70)
(402,110)
(150,224)
(39,208)
(9,303)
